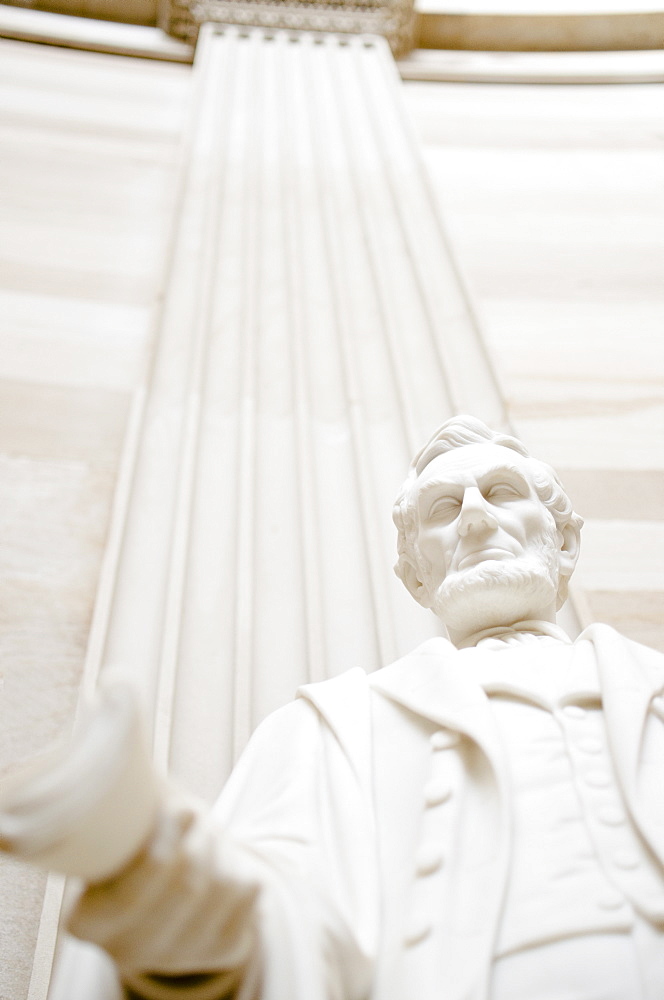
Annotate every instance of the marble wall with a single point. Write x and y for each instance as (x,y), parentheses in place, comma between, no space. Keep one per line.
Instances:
(553,197)
(89,147)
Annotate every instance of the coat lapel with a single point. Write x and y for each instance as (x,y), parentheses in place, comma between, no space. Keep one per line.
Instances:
(432,683)
(630,677)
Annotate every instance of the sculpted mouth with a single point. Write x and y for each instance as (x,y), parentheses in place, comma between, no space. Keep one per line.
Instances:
(473,558)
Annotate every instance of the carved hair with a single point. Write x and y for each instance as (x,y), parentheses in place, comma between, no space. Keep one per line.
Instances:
(458,432)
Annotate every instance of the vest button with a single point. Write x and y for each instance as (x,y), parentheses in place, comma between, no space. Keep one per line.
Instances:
(611,816)
(429,859)
(626,859)
(436,792)
(444,739)
(419,929)
(611,901)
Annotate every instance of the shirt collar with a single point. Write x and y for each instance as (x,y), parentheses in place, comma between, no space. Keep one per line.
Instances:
(519,633)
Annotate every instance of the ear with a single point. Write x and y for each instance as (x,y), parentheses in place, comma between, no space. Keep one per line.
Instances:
(409,574)
(570,547)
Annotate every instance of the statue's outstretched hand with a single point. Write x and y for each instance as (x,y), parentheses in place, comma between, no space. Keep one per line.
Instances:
(88,809)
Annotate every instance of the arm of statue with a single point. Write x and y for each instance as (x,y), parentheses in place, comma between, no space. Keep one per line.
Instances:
(185,904)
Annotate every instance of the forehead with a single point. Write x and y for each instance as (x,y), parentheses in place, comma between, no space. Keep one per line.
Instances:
(472,464)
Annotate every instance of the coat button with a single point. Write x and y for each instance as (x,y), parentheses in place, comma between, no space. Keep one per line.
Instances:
(574,712)
(429,859)
(419,929)
(656,904)
(626,859)
(598,779)
(590,745)
(444,739)
(658,704)
(436,792)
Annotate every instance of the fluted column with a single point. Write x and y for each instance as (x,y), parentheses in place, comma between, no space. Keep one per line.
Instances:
(314,330)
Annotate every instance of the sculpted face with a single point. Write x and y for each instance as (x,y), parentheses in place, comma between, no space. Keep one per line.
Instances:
(489,548)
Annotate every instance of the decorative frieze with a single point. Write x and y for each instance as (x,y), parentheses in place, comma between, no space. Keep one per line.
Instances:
(393,19)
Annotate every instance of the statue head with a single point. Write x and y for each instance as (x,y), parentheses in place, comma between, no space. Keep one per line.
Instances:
(486,533)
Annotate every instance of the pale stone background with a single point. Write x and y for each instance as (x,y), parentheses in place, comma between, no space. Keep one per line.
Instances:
(89,146)
(553,197)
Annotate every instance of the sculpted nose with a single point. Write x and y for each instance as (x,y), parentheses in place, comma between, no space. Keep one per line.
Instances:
(475,514)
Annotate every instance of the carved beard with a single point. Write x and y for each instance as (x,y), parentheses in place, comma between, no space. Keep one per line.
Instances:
(500,592)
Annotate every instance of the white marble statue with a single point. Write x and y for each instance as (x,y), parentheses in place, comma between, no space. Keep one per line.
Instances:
(481,820)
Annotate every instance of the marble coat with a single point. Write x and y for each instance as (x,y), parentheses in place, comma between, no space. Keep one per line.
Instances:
(380,852)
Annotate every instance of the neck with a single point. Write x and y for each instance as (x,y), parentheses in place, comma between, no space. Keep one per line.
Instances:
(533,627)
(460,636)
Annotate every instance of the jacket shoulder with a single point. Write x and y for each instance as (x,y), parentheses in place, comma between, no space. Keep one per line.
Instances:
(612,646)
(606,635)
(343,702)
(328,693)
(345,705)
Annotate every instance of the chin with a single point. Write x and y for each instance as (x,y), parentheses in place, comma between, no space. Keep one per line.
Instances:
(496,593)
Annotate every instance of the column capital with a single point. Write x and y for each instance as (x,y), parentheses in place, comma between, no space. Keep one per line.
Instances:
(393,19)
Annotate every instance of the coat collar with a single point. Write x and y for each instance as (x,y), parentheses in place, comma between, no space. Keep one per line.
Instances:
(429,683)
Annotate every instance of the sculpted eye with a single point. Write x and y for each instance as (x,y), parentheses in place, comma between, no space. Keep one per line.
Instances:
(445,509)
(504,491)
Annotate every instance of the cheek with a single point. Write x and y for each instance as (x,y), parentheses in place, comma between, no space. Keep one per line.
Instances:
(537,523)
(436,548)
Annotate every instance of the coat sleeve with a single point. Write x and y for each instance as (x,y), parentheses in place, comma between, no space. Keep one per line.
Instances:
(252,900)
